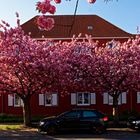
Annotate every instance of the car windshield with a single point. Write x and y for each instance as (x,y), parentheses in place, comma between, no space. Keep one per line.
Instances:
(62,114)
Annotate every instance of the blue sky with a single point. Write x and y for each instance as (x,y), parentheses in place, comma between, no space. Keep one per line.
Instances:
(124,13)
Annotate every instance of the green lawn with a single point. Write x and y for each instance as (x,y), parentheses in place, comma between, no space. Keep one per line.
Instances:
(10,126)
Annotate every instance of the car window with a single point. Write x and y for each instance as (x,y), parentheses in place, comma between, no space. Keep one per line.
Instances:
(89,114)
(73,114)
(100,114)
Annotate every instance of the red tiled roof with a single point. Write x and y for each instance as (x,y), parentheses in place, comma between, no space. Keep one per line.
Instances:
(84,24)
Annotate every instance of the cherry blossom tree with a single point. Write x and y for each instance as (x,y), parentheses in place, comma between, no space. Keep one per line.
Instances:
(78,65)
(119,70)
(26,66)
(113,69)
(29,67)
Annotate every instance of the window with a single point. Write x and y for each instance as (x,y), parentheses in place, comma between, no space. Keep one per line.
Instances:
(83,98)
(48,99)
(89,114)
(90,27)
(112,44)
(108,99)
(14,100)
(82,50)
(73,114)
(17,100)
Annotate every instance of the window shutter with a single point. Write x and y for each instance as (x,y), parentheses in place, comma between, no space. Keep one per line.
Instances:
(120,99)
(41,99)
(138,97)
(21,102)
(93,98)
(54,99)
(10,100)
(105,98)
(110,100)
(73,98)
(123,97)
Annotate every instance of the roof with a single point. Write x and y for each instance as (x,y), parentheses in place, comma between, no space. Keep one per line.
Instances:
(68,25)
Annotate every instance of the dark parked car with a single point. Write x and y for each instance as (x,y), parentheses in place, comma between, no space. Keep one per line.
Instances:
(77,119)
(134,123)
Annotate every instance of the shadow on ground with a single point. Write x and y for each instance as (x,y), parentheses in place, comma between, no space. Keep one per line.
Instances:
(111,134)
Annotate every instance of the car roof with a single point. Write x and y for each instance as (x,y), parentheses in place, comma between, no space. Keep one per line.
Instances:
(81,109)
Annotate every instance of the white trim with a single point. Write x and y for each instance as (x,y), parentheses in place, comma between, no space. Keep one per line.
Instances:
(22,103)
(83,104)
(53,100)
(110,101)
(47,95)
(19,101)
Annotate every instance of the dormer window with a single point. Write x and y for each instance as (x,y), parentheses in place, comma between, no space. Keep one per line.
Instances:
(90,27)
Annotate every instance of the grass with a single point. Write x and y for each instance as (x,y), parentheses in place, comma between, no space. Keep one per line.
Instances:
(11,126)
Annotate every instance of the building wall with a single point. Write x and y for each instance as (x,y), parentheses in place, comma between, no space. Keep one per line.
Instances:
(64,104)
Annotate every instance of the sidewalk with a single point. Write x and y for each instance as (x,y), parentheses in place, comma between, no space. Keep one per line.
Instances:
(24,131)
(20,132)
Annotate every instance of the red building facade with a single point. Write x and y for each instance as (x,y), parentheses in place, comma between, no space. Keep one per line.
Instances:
(53,103)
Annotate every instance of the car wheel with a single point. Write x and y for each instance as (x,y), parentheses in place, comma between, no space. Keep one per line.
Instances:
(138,130)
(99,129)
(51,130)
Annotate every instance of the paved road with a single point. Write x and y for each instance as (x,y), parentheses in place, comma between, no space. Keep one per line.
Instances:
(112,134)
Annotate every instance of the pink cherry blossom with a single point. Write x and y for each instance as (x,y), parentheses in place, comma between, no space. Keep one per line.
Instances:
(43,7)
(91,1)
(52,9)
(57,1)
(45,23)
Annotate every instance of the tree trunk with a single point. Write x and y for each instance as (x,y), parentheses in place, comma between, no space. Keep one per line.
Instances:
(27,112)
(115,112)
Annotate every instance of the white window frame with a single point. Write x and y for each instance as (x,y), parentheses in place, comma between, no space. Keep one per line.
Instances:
(54,99)
(90,27)
(48,95)
(19,103)
(91,98)
(83,95)
(108,99)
